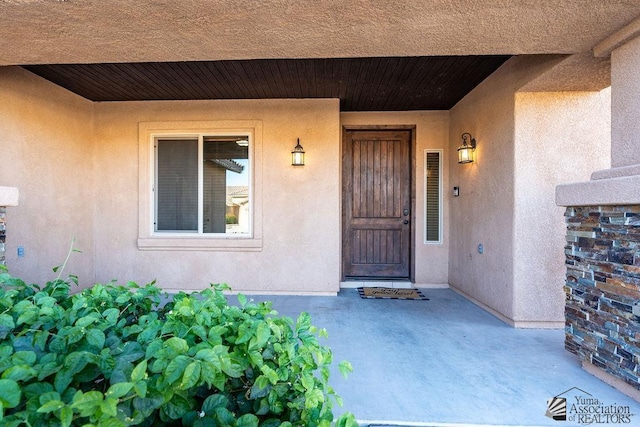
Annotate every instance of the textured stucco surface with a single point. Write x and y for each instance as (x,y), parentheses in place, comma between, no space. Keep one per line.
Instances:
(625,103)
(620,184)
(432,132)
(47,153)
(506,196)
(9,196)
(550,148)
(82,31)
(297,208)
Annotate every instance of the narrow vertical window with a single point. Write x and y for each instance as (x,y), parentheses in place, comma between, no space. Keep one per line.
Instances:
(433,196)
(202,185)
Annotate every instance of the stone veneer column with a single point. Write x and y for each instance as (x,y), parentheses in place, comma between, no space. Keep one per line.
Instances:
(603,288)
(8,197)
(603,235)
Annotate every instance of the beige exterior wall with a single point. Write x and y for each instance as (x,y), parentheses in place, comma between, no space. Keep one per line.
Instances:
(559,137)
(432,132)
(297,209)
(46,136)
(625,87)
(527,143)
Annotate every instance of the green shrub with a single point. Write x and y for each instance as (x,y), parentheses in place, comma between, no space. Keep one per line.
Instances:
(231,219)
(113,356)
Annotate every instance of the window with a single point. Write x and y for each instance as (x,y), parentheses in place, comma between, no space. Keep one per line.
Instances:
(202,185)
(433,196)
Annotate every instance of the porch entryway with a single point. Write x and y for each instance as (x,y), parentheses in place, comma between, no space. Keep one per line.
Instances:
(445,362)
(377,204)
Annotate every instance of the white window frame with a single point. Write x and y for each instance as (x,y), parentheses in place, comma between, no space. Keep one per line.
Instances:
(440,197)
(148,237)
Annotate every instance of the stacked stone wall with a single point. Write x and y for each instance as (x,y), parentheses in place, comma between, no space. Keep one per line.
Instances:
(603,288)
(3,228)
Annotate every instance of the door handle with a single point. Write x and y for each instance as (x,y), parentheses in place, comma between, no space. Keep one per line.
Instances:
(405,222)
(405,212)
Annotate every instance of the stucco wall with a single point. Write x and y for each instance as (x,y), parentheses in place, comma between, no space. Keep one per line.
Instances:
(559,137)
(432,132)
(625,87)
(483,213)
(298,208)
(46,136)
(501,205)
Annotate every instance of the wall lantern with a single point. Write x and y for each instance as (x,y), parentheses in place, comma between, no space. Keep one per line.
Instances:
(297,155)
(465,152)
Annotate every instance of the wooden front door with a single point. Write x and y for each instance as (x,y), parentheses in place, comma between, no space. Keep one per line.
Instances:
(376,204)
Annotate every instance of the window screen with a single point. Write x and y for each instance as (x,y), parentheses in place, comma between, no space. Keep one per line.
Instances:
(177,185)
(202,185)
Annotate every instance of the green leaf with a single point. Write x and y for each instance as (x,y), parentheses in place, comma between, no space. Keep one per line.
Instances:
(260,388)
(214,401)
(19,373)
(131,351)
(140,388)
(175,369)
(139,373)
(153,348)
(313,398)
(178,345)
(307,382)
(47,396)
(48,369)
(87,403)
(345,368)
(50,406)
(95,338)
(242,299)
(111,315)
(263,333)
(118,390)
(347,420)
(28,317)
(303,323)
(76,362)
(7,321)
(247,420)
(231,368)
(66,416)
(62,380)
(111,422)
(9,393)
(225,416)
(191,375)
(176,407)
(270,374)
(147,405)
(109,407)
(86,320)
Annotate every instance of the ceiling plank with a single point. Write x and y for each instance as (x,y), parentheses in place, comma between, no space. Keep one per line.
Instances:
(361,84)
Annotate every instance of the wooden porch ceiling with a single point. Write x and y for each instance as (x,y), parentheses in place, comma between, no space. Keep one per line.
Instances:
(361,84)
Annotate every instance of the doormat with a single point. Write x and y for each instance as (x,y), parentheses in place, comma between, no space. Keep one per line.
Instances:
(392,293)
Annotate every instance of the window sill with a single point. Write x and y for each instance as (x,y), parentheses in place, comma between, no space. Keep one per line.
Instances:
(199,244)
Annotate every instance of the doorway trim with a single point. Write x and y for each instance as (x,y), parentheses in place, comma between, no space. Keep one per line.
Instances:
(412,196)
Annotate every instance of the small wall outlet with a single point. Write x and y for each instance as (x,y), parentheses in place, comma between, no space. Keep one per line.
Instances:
(20,251)
(480,248)
(456,191)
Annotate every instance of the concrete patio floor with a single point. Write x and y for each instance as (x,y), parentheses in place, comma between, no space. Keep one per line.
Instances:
(445,362)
